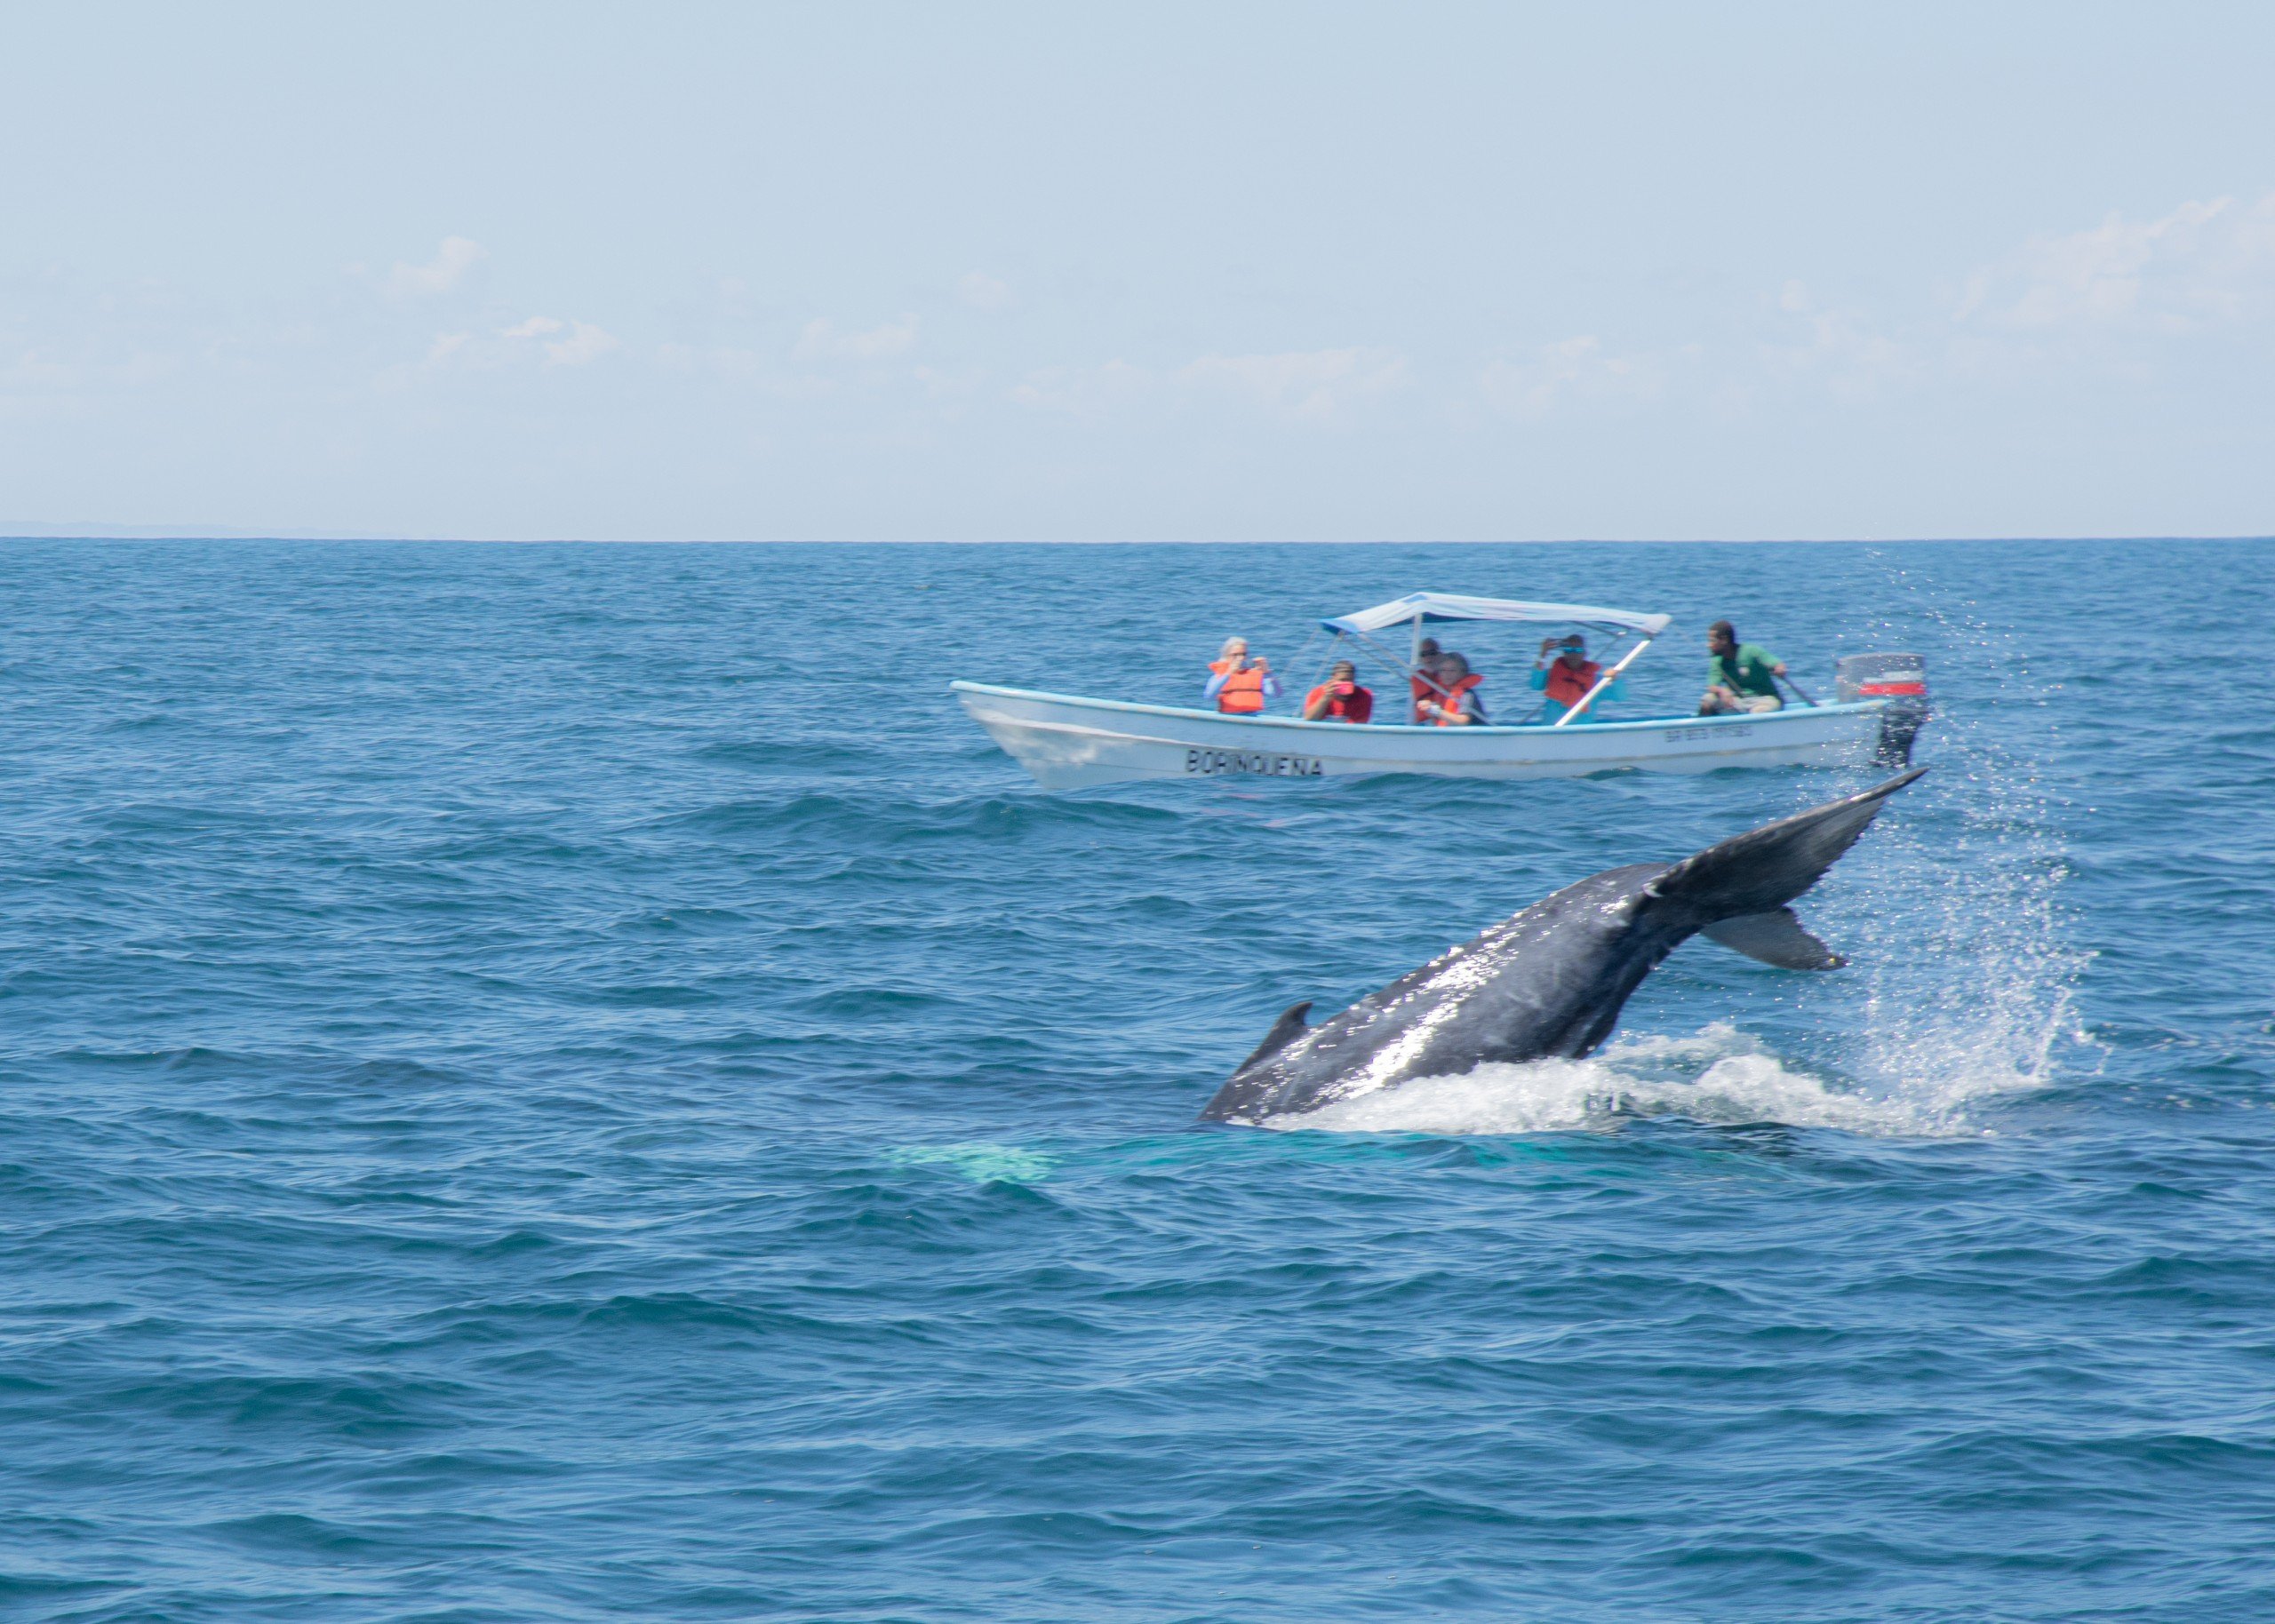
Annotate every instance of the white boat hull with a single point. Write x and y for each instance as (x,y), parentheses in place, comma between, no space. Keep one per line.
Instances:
(1068,742)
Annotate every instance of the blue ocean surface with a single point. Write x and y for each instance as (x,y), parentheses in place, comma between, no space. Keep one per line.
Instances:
(573,1083)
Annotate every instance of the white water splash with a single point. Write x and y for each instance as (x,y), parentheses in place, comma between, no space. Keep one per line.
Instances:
(1718,1076)
(1955,919)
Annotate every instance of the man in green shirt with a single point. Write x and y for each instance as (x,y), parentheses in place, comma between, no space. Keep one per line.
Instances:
(1740,677)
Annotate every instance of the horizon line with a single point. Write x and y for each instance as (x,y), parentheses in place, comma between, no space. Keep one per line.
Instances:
(132,533)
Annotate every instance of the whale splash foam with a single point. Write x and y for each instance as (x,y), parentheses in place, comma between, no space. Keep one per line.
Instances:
(1718,1076)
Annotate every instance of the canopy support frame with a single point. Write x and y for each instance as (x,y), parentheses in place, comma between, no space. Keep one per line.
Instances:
(1411,672)
(1326,665)
(1603,682)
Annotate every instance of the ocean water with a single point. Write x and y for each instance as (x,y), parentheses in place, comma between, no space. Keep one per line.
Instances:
(570,1083)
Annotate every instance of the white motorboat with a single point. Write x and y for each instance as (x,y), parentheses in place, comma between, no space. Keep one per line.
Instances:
(1070,741)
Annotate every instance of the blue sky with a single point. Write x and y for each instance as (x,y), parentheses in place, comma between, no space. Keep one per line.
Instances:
(1161,271)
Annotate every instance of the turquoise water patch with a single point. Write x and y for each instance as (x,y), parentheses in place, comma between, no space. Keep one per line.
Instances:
(982,1163)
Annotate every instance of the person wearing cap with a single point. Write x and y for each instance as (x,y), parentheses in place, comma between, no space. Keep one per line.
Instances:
(1567,679)
(1424,685)
(1740,677)
(1237,685)
(1456,703)
(1340,698)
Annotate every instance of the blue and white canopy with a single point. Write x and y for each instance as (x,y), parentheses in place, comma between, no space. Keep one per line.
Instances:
(1449,606)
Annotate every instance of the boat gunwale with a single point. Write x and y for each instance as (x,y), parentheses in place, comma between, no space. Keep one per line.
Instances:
(1527,730)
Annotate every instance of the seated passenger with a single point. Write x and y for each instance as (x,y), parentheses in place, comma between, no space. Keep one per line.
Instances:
(1463,707)
(1740,677)
(1238,685)
(1425,657)
(1567,679)
(1340,698)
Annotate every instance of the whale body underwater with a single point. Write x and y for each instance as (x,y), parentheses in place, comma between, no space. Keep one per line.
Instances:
(1549,982)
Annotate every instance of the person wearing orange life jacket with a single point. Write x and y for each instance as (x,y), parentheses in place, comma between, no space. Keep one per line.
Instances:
(1566,680)
(1426,654)
(1237,684)
(1463,707)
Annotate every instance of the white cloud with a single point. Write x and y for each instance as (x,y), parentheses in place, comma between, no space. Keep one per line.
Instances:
(2202,263)
(33,369)
(1571,369)
(455,257)
(583,341)
(1847,352)
(1310,384)
(950,385)
(819,340)
(982,292)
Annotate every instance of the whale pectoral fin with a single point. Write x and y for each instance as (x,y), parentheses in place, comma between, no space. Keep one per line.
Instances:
(1285,1031)
(1776,937)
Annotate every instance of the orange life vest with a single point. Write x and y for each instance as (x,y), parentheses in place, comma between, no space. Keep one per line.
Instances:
(1424,688)
(1452,701)
(1243,694)
(1567,687)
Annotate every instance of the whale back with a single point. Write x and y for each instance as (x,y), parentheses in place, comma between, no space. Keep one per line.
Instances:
(1547,981)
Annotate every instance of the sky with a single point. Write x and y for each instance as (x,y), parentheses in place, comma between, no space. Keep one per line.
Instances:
(1139,271)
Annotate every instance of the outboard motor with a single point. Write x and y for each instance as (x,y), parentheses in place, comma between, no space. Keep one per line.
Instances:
(1901,680)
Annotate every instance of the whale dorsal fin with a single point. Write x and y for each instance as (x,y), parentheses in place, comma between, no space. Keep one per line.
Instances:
(1285,1031)
(1776,937)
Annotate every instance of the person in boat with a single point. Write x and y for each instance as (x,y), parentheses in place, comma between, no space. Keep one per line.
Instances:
(1740,677)
(1461,706)
(1426,654)
(1238,685)
(1567,679)
(1340,698)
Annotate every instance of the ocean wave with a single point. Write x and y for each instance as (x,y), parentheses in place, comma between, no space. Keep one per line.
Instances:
(844,816)
(546,1113)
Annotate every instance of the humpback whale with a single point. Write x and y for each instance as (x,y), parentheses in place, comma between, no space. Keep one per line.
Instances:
(1549,981)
